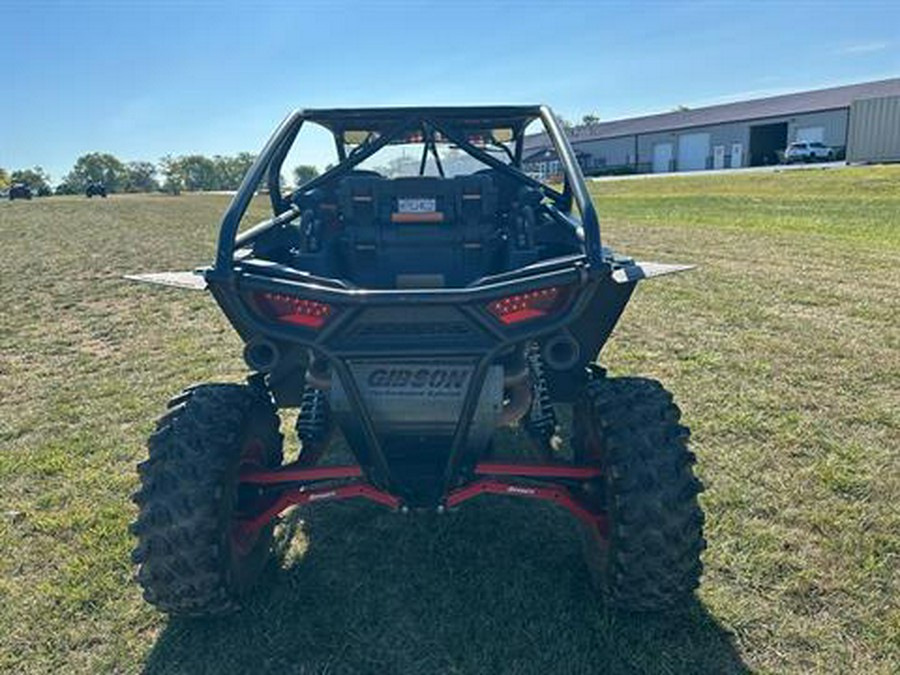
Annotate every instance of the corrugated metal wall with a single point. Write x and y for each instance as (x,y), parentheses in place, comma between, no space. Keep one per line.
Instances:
(609,152)
(874,130)
(734,137)
(833,123)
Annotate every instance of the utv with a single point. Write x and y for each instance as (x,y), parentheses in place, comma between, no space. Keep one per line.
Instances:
(429,307)
(20,191)
(95,189)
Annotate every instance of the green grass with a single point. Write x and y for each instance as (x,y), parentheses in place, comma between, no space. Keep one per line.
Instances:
(783,349)
(855,206)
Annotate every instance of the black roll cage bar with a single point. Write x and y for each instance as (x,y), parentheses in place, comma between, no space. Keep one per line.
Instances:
(269,163)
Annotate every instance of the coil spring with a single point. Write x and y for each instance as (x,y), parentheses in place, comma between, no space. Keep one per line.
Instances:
(540,422)
(313,423)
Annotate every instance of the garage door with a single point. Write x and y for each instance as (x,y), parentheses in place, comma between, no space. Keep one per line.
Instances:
(693,151)
(662,158)
(811,134)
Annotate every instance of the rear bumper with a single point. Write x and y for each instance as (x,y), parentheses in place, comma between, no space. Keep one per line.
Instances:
(430,323)
(435,324)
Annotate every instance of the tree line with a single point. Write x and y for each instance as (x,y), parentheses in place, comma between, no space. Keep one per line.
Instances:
(35,178)
(191,173)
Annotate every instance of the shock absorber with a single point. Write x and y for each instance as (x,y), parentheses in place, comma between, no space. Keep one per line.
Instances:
(313,424)
(540,422)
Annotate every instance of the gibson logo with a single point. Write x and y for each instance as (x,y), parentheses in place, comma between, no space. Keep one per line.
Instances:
(420,378)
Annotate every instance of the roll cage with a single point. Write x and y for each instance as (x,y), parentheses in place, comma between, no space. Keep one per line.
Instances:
(390,125)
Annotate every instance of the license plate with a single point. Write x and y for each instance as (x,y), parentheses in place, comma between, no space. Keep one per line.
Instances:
(417,205)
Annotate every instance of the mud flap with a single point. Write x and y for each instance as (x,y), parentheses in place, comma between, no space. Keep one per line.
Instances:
(192,281)
(636,271)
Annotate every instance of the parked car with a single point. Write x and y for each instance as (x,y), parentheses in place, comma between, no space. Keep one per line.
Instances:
(95,189)
(19,191)
(808,151)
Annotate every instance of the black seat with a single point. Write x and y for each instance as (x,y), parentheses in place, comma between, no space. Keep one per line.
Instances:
(418,232)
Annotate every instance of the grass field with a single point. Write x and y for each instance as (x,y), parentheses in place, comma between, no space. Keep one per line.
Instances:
(783,349)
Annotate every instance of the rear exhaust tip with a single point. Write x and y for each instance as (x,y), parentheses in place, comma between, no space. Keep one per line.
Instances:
(561,351)
(261,355)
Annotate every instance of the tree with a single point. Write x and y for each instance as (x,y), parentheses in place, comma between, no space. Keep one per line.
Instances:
(65,188)
(680,108)
(140,177)
(564,123)
(4,179)
(96,167)
(304,173)
(230,171)
(198,173)
(171,170)
(36,178)
(590,119)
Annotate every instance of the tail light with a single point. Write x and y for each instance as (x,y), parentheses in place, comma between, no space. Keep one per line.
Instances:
(528,306)
(293,310)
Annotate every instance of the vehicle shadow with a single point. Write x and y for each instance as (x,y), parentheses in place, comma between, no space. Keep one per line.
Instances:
(499,587)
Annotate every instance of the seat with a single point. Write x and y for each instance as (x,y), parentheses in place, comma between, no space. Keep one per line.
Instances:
(418,232)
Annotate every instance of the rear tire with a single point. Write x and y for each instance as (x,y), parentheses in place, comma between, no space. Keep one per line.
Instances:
(189,564)
(649,559)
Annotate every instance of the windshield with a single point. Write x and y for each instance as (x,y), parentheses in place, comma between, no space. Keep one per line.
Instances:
(428,147)
(423,153)
(445,160)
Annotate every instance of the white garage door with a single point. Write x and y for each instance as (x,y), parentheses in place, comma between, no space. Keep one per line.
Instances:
(662,158)
(693,150)
(811,134)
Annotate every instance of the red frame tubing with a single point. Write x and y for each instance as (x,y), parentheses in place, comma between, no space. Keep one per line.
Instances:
(244,530)
(537,470)
(558,495)
(296,473)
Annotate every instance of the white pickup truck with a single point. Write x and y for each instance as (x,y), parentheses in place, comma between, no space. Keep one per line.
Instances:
(808,151)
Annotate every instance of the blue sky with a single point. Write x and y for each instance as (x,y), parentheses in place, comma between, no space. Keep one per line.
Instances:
(141,80)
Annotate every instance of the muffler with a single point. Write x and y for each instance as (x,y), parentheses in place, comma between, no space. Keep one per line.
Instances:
(561,351)
(261,355)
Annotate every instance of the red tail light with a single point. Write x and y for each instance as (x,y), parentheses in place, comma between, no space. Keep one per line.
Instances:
(527,306)
(293,310)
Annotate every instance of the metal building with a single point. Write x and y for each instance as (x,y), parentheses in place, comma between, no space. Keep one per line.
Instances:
(748,133)
(874,130)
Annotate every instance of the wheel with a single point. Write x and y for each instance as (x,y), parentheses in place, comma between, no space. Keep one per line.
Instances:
(649,557)
(191,563)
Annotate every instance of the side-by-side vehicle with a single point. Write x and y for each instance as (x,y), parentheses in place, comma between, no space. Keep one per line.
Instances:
(429,302)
